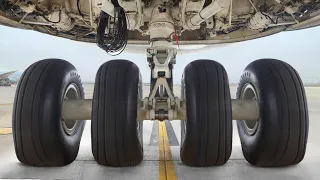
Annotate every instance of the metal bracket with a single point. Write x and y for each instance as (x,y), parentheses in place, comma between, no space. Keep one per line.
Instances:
(161,61)
(161,81)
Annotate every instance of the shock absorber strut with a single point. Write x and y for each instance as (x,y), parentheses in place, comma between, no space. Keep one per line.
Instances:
(161,54)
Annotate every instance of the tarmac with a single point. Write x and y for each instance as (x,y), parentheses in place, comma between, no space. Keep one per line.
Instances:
(161,153)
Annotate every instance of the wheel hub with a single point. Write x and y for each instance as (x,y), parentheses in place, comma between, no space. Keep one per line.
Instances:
(248,92)
(70,126)
(139,129)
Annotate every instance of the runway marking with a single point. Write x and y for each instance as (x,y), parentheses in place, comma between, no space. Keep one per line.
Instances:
(5,131)
(166,164)
(173,140)
(154,138)
(5,104)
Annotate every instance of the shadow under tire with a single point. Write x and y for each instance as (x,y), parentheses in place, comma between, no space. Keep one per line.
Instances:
(206,134)
(40,136)
(116,132)
(279,137)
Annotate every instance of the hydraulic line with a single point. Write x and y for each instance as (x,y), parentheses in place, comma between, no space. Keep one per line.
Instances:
(112,34)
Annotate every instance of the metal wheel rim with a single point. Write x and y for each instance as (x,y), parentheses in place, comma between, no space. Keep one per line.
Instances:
(138,116)
(184,123)
(70,127)
(248,92)
(184,130)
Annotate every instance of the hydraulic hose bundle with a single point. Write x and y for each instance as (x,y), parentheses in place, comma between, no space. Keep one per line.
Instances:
(112,32)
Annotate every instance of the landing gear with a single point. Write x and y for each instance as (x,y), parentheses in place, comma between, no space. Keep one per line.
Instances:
(41,136)
(271,110)
(279,136)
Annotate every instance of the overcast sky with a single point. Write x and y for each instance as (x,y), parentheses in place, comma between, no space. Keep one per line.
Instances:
(301,49)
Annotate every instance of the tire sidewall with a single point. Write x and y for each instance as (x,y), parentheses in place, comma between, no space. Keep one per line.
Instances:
(183,122)
(256,147)
(52,98)
(189,96)
(140,122)
(132,107)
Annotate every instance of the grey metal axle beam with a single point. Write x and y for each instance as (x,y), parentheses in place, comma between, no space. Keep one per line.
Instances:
(76,109)
(245,109)
(80,109)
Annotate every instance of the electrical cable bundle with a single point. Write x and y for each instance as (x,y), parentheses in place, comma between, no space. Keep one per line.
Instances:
(112,34)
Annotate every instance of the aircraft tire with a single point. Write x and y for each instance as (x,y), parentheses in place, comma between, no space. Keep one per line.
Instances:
(279,137)
(206,134)
(40,135)
(116,132)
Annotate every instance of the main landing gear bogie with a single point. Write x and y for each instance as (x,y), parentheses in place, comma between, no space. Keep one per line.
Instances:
(270,109)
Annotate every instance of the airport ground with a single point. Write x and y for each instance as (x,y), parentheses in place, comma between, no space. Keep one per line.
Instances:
(153,165)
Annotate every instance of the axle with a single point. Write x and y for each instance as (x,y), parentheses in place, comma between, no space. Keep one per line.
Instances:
(80,109)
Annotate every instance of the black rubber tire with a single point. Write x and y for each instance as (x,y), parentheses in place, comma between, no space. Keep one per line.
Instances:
(282,132)
(116,141)
(207,139)
(39,138)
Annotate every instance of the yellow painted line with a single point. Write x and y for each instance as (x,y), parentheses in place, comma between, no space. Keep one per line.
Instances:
(166,164)
(162,164)
(5,104)
(5,131)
